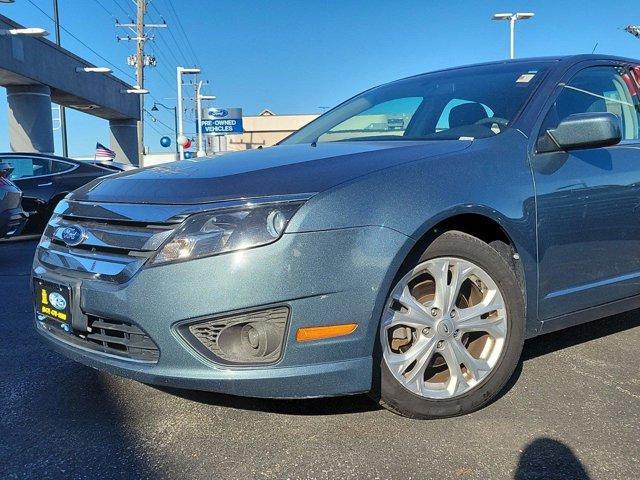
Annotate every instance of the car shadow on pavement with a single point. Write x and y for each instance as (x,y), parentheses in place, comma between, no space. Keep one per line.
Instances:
(549,459)
(308,406)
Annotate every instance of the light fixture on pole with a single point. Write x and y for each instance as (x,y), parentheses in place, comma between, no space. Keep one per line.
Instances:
(512,18)
(136,89)
(179,72)
(175,121)
(26,32)
(633,30)
(93,70)
(7,1)
(199,99)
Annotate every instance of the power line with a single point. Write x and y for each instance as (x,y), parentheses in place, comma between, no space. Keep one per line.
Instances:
(156,120)
(153,127)
(175,41)
(173,10)
(82,43)
(105,9)
(169,50)
(129,14)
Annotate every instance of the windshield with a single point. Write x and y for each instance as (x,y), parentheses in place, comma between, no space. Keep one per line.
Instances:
(465,103)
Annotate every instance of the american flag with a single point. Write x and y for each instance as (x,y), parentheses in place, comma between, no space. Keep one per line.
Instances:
(104,153)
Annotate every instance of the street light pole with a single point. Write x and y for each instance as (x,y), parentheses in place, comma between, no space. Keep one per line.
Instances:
(512,17)
(200,152)
(63,115)
(512,37)
(175,122)
(179,72)
(199,98)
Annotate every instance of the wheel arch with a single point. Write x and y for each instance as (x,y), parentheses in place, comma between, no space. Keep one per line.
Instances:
(490,229)
(510,237)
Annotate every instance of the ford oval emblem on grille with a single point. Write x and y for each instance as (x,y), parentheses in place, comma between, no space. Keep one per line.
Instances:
(73,235)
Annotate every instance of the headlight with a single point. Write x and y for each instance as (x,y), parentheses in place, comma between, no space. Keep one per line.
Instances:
(211,233)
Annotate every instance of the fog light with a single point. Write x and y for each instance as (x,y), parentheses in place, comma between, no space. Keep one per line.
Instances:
(258,339)
(254,337)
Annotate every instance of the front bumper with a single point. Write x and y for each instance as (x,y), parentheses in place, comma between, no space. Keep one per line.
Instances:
(325,278)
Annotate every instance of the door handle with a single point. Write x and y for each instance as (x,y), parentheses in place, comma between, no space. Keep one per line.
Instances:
(45,184)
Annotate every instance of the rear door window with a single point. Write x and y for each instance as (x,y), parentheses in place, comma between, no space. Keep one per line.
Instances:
(27,167)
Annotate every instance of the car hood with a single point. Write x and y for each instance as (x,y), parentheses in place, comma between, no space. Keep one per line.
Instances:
(281,170)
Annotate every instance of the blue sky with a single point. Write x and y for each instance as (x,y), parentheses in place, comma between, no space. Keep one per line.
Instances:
(298,55)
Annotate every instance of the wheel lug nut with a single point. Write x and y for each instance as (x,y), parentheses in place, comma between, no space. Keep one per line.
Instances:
(441,344)
(434,312)
(453,314)
(425,331)
(456,333)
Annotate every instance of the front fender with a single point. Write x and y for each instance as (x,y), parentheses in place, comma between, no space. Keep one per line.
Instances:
(491,178)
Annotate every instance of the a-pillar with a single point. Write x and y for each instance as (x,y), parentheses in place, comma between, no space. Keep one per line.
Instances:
(30,122)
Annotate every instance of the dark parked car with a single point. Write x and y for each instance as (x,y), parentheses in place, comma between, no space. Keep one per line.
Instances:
(411,263)
(12,217)
(45,180)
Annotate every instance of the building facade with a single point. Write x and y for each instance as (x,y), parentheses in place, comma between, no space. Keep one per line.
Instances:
(266,129)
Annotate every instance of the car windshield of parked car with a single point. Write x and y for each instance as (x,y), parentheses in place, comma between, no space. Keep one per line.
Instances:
(465,103)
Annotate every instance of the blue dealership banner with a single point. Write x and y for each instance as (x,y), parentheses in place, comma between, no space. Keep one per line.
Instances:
(219,121)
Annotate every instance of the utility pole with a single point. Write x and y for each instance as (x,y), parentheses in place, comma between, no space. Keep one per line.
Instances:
(63,115)
(139,61)
(142,4)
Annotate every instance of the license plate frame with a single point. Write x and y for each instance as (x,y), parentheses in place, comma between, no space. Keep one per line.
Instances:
(56,307)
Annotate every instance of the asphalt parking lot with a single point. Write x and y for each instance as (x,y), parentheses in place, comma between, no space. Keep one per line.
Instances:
(572,412)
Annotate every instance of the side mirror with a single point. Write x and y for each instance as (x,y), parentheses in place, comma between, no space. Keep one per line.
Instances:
(583,130)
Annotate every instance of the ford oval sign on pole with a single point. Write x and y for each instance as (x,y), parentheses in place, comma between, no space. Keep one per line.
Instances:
(220,121)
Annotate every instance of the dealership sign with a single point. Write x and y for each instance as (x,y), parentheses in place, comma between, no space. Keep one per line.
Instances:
(219,121)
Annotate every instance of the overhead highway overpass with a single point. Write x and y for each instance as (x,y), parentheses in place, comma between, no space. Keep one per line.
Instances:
(37,72)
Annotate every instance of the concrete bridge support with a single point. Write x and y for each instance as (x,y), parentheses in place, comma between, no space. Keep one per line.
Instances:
(30,122)
(124,140)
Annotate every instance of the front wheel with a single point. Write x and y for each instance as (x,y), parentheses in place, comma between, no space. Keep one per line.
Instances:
(452,330)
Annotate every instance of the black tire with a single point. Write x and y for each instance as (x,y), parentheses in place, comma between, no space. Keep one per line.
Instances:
(395,397)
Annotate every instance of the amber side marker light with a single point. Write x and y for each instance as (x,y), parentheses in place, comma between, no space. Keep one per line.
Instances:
(307,334)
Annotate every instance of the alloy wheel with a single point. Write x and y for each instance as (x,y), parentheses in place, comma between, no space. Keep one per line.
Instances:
(444,328)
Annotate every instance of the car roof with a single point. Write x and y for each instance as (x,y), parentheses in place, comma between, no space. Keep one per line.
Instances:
(562,61)
(39,155)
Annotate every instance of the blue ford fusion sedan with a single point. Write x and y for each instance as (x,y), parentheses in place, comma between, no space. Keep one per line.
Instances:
(404,244)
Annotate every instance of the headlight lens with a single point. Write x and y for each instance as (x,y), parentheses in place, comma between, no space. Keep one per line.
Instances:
(211,233)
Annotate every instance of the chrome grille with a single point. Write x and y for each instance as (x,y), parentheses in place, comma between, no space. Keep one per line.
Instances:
(106,236)
(113,248)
